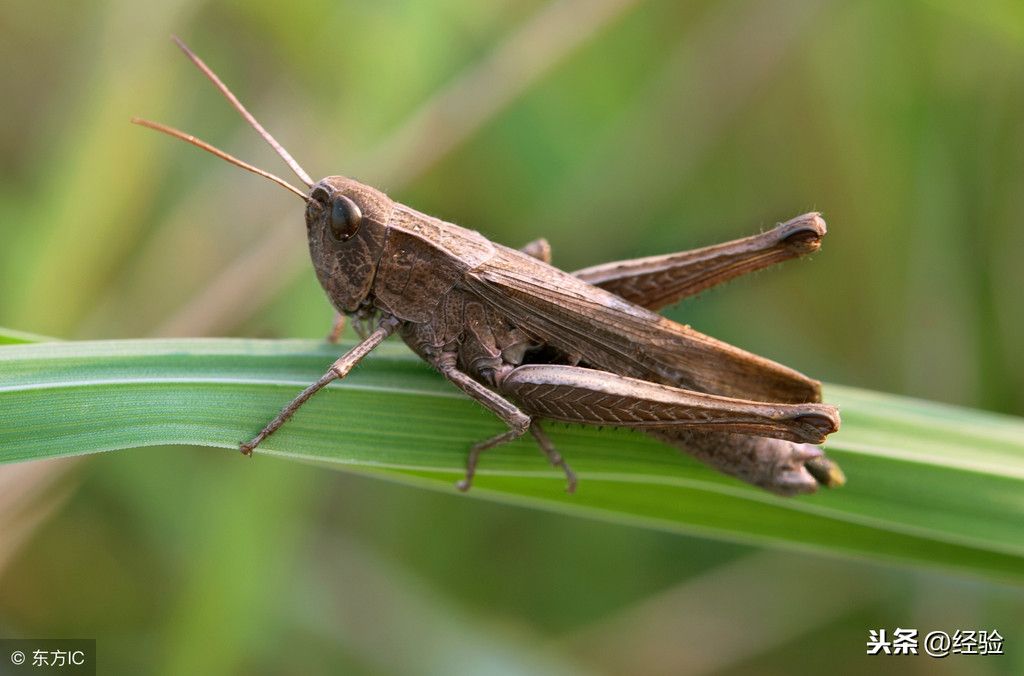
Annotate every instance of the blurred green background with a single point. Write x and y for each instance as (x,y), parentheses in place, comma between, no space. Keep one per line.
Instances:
(614,128)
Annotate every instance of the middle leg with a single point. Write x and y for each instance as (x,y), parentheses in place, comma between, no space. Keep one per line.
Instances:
(517,421)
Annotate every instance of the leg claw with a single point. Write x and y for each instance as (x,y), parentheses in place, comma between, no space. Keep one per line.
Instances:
(570,479)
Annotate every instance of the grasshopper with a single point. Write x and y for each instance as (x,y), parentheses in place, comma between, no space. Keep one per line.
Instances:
(529,341)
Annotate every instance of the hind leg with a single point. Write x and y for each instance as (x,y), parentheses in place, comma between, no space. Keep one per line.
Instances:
(553,456)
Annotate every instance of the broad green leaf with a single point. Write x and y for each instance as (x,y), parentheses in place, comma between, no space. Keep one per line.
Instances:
(929,484)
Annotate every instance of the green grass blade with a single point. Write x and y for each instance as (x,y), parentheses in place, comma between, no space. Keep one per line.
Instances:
(12,337)
(929,484)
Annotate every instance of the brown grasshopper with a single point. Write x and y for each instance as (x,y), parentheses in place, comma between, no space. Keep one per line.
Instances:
(529,341)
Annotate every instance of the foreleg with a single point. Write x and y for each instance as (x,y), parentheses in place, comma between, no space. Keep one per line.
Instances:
(337,326)
(339,369)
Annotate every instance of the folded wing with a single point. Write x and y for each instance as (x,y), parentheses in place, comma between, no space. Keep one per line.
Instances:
(624,338)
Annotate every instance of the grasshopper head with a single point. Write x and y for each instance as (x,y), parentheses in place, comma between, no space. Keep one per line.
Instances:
(345,223)
(345,220)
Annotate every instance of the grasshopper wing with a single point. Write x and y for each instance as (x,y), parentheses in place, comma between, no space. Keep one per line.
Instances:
(612,334)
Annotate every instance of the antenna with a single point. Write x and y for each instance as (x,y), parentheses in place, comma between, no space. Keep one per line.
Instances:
(199,143)
(278,148)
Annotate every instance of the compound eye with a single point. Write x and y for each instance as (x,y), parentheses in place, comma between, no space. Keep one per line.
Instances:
(345,218)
